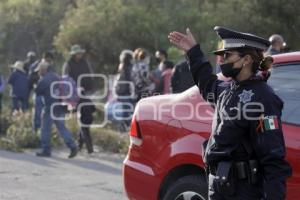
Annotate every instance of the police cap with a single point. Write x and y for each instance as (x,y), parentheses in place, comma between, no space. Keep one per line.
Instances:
(235,40)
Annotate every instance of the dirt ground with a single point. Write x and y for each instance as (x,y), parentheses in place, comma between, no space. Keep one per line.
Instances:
(23,176)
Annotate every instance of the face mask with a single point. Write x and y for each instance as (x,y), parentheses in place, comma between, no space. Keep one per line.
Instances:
(228,70)
(158,60)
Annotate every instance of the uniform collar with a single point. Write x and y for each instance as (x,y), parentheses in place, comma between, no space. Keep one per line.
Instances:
(254,78)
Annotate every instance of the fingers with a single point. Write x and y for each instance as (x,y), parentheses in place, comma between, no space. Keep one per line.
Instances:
(189,34)
(176,35)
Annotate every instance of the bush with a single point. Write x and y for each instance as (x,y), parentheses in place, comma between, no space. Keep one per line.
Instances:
(5,121)
(19,135)
(110,140)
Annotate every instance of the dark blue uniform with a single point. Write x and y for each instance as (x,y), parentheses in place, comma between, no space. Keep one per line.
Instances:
(246,126)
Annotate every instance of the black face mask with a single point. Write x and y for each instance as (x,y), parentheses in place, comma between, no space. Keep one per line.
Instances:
(158,60)
(228,70)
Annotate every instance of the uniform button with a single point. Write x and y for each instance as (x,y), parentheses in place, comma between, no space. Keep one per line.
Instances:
(223,178)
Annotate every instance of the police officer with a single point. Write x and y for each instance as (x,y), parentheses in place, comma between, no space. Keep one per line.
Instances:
(245,154)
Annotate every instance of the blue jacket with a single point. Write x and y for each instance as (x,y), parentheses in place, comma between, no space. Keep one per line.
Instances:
(20,84)
(44,89)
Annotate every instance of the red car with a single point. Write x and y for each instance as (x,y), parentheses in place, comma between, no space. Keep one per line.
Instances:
(164,159)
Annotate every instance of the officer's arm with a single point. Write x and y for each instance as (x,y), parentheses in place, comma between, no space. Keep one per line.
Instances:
(202,74)
(269,147)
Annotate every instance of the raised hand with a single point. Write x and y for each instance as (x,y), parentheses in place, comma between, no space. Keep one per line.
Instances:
(183,41)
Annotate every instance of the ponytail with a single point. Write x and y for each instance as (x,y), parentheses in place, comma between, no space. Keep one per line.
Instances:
(260,63)
(266,63)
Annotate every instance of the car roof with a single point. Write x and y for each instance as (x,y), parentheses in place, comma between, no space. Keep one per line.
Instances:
(287,57)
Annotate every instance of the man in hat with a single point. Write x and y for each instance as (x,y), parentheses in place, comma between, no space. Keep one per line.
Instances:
(245,154)
(78,65)
(53,113)
(277,45)
(20,87)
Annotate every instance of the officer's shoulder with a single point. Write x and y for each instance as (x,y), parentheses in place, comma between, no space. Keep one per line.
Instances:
(265,93)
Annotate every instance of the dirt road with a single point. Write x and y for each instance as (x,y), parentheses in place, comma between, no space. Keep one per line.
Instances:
(23,176)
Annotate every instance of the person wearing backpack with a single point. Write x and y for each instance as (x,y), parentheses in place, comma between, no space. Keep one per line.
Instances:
(53,113)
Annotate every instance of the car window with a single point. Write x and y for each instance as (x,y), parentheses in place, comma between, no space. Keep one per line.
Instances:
(285,80)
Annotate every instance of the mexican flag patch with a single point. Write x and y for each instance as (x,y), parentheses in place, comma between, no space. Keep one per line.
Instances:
(270,123)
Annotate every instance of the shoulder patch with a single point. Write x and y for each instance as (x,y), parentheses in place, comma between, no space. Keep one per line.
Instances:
(246,96)
(267,123)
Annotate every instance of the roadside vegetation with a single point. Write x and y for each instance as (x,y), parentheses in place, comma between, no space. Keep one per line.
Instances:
(17,135)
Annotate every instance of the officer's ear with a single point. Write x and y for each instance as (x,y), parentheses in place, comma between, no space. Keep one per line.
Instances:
(248,60)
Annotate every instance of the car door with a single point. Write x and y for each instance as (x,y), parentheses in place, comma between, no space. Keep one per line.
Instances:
(285,80)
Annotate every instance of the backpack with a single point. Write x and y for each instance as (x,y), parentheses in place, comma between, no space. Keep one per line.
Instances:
(66,91)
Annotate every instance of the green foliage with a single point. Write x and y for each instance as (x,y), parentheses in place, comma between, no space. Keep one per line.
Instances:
(19,134)
(175,54)
(106,27)
(28,25)
(110,140)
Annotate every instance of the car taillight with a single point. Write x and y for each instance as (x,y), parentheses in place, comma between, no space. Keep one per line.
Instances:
(135,133)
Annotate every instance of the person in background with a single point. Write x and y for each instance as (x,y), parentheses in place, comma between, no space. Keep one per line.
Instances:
(85,109)
(31,58)
(161,56)
(20,88)
(166,76)
(2,88)
(76,66)
(33,80)
(277,45)
(52,113)
(181,78)
(124,80)
(124,88)
(135,55)
(141,75)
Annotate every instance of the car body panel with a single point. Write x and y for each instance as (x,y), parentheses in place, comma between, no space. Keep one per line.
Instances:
(174,137)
